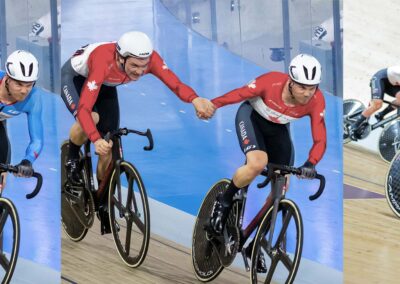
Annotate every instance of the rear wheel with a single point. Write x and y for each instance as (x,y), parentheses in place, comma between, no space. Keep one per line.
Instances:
(206,262)
(74,216)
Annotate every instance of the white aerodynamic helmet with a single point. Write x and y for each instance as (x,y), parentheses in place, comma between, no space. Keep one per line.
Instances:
(135,44)
(305,69)
(23,66)
(394,75)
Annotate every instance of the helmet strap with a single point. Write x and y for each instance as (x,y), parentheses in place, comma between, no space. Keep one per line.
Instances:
(290,90)
(7,87)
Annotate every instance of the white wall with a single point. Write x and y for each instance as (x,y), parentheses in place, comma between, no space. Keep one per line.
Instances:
(371,43)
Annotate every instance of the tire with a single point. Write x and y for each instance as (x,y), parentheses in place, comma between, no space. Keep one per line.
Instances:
(11,240)
(131,222)
(289,211)
(392,185)
(71,225)
(206,263)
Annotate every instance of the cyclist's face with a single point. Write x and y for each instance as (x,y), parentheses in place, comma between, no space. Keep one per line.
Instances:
(19,90)
(303,93)
(135,67)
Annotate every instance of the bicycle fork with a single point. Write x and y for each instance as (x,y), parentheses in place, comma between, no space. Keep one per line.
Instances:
(276,185)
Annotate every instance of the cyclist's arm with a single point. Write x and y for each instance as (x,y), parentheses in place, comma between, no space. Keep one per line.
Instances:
(89,94)
(159,69)
(34,113)
(318,130)
(253,89)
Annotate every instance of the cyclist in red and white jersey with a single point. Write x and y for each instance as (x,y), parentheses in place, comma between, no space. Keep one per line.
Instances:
(89,80)
(272,101)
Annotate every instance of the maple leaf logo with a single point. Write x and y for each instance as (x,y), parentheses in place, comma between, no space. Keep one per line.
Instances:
(92,85)
(252,84)
(164,67)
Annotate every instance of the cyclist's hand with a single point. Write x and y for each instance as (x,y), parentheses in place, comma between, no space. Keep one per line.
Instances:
(307,170)
(3,181)
(204,108)
(102,147)
(24,169)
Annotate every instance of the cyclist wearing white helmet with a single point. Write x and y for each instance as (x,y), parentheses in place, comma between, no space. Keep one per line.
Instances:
(385,81)
(89,80)
(271,102)
(17,95)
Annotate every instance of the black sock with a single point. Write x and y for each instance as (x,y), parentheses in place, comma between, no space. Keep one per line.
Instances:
(73,150)
(229,193)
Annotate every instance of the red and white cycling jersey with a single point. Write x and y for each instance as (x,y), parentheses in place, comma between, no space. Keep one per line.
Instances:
(97,62)
(265,95)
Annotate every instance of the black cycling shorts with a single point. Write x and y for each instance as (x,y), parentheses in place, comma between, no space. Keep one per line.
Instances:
(256,133)
(106,106)
(5,147)
(380,86)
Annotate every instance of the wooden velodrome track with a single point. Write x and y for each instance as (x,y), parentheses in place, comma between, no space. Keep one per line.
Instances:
(96,260)
(371,230)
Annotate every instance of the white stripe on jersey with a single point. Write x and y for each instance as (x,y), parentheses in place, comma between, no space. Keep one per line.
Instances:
(268,113)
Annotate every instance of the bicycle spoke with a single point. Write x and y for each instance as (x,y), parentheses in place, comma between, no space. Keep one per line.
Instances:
(4,262)
(285,226)
(137,222)
(118,204)
(286,260)
(130,193)
(128,237)
(274,263)
(3,218)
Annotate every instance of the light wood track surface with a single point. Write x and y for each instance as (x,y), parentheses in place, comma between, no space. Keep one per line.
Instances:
(371,230)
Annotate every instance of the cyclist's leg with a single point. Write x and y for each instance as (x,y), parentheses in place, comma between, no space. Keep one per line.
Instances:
(377,93)
(252,145)
(250,140)
(108,108)
(5,150)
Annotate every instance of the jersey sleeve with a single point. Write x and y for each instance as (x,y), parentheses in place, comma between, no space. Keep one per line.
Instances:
(33,110)
(159,69)
(89,93)
(318,131)
(252,89)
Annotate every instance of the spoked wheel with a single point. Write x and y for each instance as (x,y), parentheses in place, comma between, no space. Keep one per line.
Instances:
(351,109)
(392,185)
(75,218)
(206,263)
(389,141)
(10,235)
(129,214)
(283,259)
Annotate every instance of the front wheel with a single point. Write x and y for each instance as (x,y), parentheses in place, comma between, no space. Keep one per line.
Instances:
(288,236)
(351,109)
(206,262)
(392,185)
(10,233)
(129,214)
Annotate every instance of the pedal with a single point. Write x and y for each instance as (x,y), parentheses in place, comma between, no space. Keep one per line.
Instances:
(246,263)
